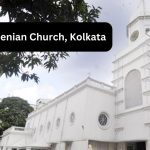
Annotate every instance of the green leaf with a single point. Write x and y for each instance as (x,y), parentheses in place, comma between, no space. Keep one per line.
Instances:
(13,112)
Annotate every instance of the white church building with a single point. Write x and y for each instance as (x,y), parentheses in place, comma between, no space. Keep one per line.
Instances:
(93,115)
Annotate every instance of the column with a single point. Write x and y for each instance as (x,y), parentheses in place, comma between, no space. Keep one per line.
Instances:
(28,148)
(148,145)
(121,146)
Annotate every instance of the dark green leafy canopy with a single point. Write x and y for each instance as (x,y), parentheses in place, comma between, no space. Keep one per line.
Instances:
(15,63)
(49,11)
(13,112)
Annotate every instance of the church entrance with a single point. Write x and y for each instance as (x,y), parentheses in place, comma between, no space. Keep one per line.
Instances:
(136,146)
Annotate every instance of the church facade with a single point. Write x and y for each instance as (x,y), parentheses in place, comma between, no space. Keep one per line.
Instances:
(93,115)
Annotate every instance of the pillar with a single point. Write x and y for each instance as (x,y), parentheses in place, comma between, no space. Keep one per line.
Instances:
(148,145)
(28,148)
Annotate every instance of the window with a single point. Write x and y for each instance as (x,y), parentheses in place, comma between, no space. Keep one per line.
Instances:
(147,30)
(68,145)
(103,119)
(58,122)
(133,89)
(72,117)
(19,129)
(41,128)
(53,146)
(48,125)
(134,35)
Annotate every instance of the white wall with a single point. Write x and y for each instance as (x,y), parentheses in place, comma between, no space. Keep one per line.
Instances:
(97,102)
(130,123)
(76,104)
(14,139)
(66,131)
(133,127)
(79,145)
(87,103)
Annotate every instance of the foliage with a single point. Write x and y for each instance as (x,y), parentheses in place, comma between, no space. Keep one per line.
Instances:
(13,112)
(49,11)
(15,63)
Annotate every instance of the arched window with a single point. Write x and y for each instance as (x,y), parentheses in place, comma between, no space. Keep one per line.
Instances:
(41,128)
(133,89)
(72,117)
(48,125)
(58,122)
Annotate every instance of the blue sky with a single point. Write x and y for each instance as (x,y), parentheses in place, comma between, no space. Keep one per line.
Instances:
(78,66)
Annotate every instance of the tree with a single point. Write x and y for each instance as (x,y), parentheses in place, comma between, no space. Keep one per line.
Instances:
(15,63)
(49,10)
(13,112)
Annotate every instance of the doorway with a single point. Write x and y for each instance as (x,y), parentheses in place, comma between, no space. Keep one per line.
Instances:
(68,145)
(136,146)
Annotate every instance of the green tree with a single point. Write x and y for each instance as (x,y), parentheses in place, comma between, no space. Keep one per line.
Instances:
(49,11)
(13,112)
(15,63)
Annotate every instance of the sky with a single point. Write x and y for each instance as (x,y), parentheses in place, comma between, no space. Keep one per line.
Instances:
(79,65)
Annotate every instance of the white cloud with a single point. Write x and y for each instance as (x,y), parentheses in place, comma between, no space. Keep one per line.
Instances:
(35,92)
(29,93)
(4,19)
(78,65)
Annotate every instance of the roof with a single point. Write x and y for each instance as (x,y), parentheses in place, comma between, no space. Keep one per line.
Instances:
(27,142)
(88,82)
(130,49)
